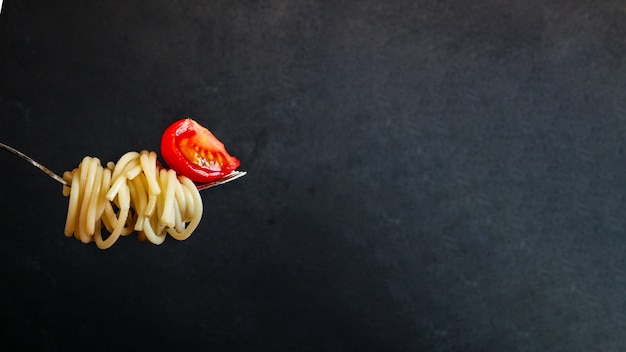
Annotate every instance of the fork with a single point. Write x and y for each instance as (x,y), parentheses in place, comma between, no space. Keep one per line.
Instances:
(200,186)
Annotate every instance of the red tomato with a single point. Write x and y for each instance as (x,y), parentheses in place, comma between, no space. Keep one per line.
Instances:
(194,151)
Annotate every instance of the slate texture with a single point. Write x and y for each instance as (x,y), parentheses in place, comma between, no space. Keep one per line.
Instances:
(422,175)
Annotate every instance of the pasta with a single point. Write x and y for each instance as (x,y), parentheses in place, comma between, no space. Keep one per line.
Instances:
(133,195)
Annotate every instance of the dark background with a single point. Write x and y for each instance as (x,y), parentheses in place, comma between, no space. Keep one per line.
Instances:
(422,175)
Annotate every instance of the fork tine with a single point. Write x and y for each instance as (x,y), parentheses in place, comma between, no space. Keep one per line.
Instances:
(230,177)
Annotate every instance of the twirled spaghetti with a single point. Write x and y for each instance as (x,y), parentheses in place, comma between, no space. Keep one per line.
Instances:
(133,195)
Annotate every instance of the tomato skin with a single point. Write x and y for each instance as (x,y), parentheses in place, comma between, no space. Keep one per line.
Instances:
(193,151)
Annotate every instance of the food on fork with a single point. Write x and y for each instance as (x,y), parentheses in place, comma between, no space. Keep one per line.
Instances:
(137,194)
(195,152)
(134,194)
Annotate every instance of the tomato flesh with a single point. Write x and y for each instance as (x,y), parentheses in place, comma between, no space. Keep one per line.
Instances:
(193,151)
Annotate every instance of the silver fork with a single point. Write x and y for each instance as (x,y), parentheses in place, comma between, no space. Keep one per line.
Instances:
(200,186)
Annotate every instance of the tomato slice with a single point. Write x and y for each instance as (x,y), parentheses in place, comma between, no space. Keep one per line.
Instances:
(194,151)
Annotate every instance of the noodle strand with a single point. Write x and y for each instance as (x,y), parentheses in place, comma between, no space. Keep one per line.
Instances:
(132,195)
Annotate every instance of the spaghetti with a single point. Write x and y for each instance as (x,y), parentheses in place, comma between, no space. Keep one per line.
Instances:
(133,195)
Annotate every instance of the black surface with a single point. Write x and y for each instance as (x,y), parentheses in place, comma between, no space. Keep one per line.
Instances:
(423,175)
